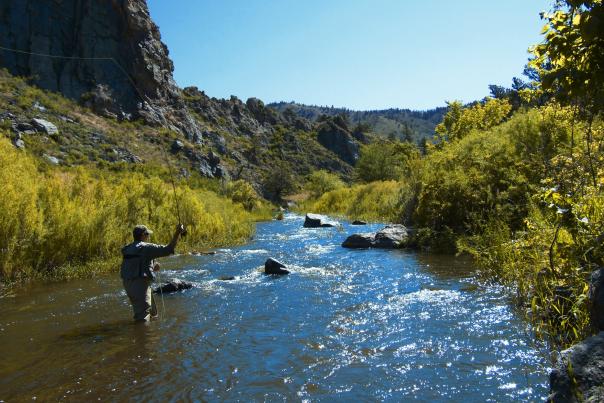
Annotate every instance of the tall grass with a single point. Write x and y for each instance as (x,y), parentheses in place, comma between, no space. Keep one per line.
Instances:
(55,222)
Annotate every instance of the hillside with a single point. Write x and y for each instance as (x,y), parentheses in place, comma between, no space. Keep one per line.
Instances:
(100,74)
(404,124)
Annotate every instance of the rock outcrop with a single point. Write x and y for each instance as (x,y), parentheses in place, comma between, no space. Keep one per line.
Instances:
(579,373)
(339,140)
(109,55)
(596,298)
(390,237)
(318,221)
(272,266)
(45,126)
(173,285)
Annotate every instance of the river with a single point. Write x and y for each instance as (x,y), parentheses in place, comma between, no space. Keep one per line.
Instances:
(345,325)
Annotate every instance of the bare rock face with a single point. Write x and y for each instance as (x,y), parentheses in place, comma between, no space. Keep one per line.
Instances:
(338,139)
(110,56)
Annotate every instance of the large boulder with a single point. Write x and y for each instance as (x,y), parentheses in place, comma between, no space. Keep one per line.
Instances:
(272,266)
(318,221)
(173,285)
(390,237)
(596,297)
(45,126)
(579,373)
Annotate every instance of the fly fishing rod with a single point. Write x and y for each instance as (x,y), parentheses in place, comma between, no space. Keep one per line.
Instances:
(176,201)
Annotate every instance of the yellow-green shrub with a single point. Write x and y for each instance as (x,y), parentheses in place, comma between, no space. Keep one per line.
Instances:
(375,201)
(321,181)
(59,219)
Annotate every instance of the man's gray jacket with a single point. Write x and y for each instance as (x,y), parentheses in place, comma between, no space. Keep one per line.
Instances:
(138,259)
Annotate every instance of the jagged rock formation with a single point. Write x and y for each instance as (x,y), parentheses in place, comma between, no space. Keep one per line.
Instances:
(109,56)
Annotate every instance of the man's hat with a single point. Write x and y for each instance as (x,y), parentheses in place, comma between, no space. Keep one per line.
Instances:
(139,230)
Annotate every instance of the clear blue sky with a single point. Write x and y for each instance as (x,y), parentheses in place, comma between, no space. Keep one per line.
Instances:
(360,54)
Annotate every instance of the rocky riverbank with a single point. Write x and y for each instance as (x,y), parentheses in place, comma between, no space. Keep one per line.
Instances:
(579,372)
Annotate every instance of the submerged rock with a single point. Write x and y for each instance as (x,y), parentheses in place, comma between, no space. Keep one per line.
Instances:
(390,237)
(579,373)
(359,222)
(318,221)
(173,285)
(226,278)
(272,266)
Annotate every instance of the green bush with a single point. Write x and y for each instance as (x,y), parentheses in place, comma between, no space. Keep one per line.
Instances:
(321,181)
(382,161)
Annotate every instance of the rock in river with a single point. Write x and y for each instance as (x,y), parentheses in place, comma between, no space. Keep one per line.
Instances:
(390,237)
(359,241)
(173,285)
(358,222)
(318,221)
(272,266)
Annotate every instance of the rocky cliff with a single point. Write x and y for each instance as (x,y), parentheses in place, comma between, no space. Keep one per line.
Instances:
(107,54)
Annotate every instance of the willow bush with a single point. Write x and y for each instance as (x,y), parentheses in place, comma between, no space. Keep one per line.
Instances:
(54,222)
(375,201)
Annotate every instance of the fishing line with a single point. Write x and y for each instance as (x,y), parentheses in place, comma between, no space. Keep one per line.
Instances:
(161,293)
(143,99)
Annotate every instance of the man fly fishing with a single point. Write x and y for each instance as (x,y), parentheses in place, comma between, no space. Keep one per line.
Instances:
(138,267)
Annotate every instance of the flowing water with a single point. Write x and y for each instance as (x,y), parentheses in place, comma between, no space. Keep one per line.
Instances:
(344,325)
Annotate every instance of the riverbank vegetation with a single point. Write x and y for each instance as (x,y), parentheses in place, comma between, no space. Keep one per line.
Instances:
(516,180)
(60,223)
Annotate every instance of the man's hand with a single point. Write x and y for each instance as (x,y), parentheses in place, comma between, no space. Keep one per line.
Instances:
(156,266)
(180,230)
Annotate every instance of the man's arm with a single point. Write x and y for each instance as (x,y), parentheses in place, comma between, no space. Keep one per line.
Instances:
(153,251)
